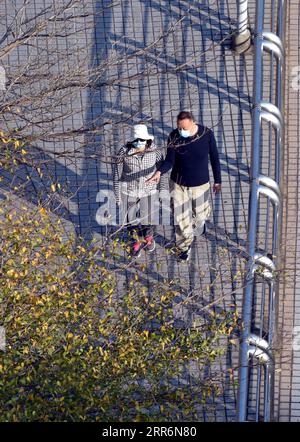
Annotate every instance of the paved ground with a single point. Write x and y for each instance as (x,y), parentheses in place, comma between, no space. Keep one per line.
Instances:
(218,91)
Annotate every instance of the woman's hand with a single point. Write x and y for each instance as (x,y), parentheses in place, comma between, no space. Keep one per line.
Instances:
(155,178)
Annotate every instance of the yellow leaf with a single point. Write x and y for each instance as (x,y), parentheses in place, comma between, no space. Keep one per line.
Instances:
(42,211)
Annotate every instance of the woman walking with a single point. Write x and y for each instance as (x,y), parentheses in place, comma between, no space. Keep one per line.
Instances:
(136,162)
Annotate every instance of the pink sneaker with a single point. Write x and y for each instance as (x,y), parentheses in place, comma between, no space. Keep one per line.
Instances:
(150,243)
(136,249)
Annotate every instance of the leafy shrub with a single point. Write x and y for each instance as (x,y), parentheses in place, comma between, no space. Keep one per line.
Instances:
(78,350)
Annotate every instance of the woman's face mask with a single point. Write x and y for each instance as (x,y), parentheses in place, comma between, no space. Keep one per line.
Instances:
(139,144)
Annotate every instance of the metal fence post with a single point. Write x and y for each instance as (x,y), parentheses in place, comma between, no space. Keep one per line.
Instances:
(261,186)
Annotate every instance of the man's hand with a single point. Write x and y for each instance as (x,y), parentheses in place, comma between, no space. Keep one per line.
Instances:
(155,178)
(216,187)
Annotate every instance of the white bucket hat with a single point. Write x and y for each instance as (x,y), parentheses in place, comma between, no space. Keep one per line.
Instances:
(141,131)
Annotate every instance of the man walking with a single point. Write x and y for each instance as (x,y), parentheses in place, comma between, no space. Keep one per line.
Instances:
(189,147)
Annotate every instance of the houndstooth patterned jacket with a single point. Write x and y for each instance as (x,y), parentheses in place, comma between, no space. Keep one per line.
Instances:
(132,170)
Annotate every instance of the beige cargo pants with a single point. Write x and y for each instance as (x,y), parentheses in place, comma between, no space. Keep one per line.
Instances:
(191,209)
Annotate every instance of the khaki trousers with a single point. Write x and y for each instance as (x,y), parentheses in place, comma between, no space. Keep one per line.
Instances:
(191,209)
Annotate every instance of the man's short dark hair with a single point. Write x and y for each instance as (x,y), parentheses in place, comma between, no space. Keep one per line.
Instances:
(185,115)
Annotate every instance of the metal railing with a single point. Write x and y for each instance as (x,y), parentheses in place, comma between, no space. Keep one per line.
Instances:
(257,346)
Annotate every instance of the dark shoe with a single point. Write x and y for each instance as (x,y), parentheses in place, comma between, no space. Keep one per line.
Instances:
(204,229)
(184,255)
(150,243)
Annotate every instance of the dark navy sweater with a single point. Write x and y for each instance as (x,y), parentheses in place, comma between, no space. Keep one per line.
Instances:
(188,158)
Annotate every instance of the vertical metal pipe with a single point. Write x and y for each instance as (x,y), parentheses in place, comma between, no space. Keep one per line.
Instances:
(281,23)
(270,42)
(279,86)
(268,391)
(242,16)
(271,311)
(241,42)
(253,206)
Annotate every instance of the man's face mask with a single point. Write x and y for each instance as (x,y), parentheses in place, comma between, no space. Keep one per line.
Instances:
(184,133)
(139,143)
